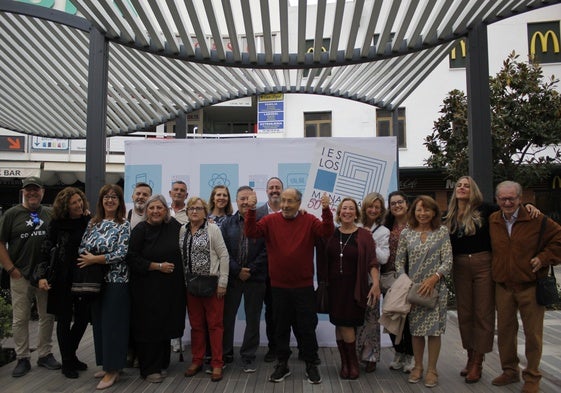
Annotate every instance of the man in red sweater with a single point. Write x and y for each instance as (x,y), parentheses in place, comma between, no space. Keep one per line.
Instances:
(290,238)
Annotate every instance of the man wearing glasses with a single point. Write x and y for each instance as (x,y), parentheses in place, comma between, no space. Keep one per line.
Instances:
(22,230)
(290,237)
(514,240)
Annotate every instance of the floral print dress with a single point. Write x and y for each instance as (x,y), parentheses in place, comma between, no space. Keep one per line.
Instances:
(425,259)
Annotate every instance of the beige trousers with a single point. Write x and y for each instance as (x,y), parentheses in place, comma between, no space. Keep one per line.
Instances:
(22,295)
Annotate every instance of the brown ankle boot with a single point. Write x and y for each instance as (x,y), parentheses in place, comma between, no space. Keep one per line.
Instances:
(469,363)
(344,374)
(474,373)
(352,360)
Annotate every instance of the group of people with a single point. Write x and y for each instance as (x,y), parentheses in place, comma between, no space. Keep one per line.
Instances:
(160,262)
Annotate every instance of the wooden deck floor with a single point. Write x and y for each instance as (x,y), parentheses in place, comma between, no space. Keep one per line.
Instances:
(236,381)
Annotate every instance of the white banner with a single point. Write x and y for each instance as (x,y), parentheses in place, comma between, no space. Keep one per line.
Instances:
(339,166)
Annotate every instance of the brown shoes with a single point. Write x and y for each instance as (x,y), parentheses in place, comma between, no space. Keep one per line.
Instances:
(531,387)
(216,374)
(193,369)
(506,379)
(469,363)
(474,373)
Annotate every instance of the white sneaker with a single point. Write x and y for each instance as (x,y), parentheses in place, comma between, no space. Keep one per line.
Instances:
(397,362)
(408,363)
(176,344)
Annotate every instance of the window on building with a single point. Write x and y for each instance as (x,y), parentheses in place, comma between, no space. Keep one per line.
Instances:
(317,124)
(384,125)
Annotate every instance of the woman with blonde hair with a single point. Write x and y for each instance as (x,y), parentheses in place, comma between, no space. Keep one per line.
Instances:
(157,288)
(372,212)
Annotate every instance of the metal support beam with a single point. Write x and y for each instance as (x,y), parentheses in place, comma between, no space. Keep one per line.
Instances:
(395,129)
(181,126)
(97,115)
(479,111)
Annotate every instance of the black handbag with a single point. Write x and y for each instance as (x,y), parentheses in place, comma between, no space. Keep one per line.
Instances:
(322,298)
(201,286)
(88,281)
(547,293)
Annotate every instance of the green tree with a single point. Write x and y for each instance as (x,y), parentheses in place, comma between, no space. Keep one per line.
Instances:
(525,126)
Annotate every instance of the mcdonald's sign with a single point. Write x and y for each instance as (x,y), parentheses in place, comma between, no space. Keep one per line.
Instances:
(458,55)
(544,42)
(310,49)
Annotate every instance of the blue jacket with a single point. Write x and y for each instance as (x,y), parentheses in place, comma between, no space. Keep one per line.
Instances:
(256,251)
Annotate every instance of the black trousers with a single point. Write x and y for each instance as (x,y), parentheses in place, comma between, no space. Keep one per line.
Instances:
(153,357)
(70,334)
(296,308)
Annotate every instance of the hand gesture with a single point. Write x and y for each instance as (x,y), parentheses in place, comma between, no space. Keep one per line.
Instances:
(324,201)
(252,200)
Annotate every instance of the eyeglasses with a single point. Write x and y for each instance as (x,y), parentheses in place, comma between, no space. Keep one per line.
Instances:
(505,200)
(108,197)
(35,218)
(196,209)
(395,203)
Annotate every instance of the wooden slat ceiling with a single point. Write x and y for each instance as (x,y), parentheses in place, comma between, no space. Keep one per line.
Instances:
(169,56)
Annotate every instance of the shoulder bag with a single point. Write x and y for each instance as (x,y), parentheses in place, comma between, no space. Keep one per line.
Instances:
(88,281)
(547,293)
(429,301)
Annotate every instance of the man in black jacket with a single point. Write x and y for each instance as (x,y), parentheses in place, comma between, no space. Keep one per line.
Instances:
(248,272)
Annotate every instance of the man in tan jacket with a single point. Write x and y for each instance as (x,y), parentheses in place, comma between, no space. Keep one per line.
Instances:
(516,265)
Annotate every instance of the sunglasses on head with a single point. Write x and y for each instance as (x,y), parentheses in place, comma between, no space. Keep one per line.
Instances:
(35,218)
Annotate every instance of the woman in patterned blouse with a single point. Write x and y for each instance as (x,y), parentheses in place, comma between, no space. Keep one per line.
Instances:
(205,254)
(106,243)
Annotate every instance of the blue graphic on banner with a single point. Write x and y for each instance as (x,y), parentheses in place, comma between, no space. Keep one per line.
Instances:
(150,174)
(219,174)
(325,180)
(294,175)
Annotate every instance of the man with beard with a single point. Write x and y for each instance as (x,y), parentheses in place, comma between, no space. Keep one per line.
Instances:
(274,189)
(142,191)
(22,231)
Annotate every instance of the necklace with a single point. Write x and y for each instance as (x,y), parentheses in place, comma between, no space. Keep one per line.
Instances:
(342,248)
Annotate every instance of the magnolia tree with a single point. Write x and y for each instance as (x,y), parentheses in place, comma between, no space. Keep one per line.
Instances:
(525,126)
